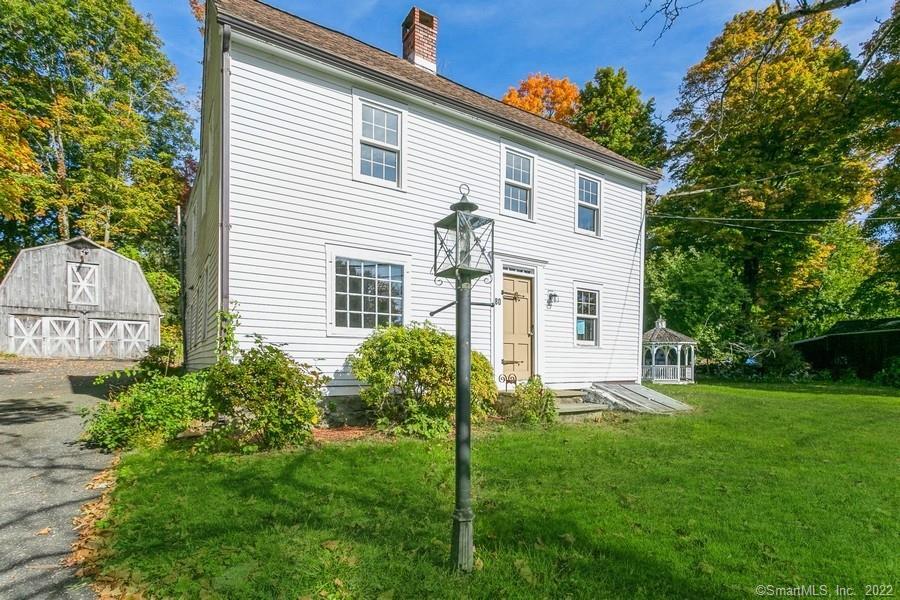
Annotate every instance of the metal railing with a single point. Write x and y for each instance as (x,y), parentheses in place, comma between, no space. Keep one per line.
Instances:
(668,373)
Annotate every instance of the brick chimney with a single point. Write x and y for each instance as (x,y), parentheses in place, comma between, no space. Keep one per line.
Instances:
(420,39)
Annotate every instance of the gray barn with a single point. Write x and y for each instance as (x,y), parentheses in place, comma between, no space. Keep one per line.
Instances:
(76,299)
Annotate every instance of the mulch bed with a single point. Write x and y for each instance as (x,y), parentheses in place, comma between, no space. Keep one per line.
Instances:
(342,434)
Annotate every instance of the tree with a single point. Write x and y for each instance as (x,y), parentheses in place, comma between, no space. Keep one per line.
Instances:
(198,9)
(114,135)
(543,95)
(698,294)
(778,145)
(880,91)
(788,10)
(19,169)
(612,113)
(827,284)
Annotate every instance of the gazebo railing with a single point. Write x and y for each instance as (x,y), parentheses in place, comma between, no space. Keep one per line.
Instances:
(668,373)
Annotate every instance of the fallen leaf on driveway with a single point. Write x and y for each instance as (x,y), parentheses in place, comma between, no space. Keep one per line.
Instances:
(44,531)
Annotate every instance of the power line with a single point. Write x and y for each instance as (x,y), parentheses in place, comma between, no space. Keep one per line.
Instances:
(766,229)
(732,185)
(762,220)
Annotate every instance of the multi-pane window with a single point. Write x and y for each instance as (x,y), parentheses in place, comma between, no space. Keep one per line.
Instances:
(379,146)
(367,293)
(82,283)
(586,316)
(588,205)
(517,192)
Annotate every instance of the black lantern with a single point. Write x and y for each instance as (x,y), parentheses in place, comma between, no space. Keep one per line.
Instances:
(463,242)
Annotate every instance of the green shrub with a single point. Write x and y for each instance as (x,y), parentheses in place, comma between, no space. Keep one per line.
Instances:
(533,404)
(150,412)
(159,360)
(410,377)
(270,399)
(782,360)
(890,374)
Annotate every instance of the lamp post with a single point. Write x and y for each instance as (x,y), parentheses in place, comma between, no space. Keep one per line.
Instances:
(463,252)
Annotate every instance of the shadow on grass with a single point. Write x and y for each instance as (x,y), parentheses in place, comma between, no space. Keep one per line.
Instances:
(395,515)
(831,388)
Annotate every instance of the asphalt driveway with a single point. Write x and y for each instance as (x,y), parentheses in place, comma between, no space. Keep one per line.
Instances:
(43,472)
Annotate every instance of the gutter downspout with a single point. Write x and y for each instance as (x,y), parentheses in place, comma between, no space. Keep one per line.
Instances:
(225,171)
(642,232)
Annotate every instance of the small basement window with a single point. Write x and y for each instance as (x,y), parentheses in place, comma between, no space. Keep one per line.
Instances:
(367,293)
(82,283)
(588,205)
(586,316)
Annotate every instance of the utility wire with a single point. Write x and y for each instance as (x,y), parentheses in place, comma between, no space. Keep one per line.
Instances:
(732,185)
(762,220)
(771,230)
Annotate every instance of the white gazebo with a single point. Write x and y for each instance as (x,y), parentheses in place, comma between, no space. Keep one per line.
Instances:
(669,356)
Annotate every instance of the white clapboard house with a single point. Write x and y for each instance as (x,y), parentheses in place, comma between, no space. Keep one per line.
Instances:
(325,163)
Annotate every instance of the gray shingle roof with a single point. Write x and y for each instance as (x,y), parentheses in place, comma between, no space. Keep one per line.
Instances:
(663,335)
(322,42)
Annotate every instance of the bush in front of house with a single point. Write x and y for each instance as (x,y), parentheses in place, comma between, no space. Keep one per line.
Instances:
(150,412)
(410,379)
(533,404)
(890,375)
(270,400)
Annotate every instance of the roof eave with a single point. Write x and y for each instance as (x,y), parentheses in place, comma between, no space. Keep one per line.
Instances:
(266,34)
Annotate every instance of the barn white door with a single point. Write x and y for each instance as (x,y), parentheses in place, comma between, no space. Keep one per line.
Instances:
(82,283)
(135,338)
(104,339)
(26,335)
(60,337)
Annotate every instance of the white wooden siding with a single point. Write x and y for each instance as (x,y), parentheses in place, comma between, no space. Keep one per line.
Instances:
(203,292)
(292,192)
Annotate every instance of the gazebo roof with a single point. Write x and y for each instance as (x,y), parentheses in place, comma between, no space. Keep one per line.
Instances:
(663,335)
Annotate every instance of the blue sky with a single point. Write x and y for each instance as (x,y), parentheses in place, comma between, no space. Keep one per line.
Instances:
(491,45)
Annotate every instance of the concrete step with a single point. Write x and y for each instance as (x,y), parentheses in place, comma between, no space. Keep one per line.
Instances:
(577,411)
(569,396)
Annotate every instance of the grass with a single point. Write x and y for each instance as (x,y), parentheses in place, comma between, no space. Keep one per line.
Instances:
(760,485)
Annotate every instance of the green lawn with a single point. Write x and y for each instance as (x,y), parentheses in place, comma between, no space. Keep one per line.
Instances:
(761,484)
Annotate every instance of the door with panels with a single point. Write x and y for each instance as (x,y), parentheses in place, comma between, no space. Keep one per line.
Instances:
(135,338)
(104,338)
(26,335)
(518,327)
(60,337)
(119,339)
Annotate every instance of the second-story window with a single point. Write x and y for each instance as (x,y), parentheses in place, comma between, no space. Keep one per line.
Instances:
(379,144)
(588,206)
(518,196)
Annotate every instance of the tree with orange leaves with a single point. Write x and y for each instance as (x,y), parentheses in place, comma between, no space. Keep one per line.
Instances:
(541,94)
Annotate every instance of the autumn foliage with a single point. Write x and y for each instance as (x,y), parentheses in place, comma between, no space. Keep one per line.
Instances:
(541,94)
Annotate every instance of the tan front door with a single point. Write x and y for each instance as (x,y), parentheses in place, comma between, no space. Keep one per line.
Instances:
(518,327)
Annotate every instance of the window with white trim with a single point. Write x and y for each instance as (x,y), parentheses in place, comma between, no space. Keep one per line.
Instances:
(367,293)
(586,316)
(518,189)
(588,205)
(82,283)
(379,143)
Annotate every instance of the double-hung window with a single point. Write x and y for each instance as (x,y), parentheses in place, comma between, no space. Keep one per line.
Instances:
(518,189)
(379,143)
(587,303)
(367,293)
(588,205)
